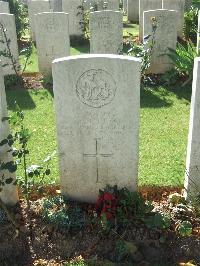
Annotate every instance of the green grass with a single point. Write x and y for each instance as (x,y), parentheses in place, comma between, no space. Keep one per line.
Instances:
(32,65)
(163,126)
(163,132)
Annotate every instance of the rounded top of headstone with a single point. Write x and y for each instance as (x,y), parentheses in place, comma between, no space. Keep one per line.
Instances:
(93,56)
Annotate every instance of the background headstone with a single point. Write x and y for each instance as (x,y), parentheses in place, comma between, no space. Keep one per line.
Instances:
(52,38)
(188,4)
(165,37)
(110,4)
(192,178)
(56,5)
(133,10)
(198,33)
(125,6)
(106,32)
(7,22)
(75,10)
(35,7)
(102,4)
(4,7)
(146,5)
(178,5)
(97,101)
(9,193)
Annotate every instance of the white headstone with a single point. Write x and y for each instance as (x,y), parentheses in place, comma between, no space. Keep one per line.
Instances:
(178,5)
(52,38)
(108,4)
(75,10)
(164,37)
(8,32)
(188,4)
(198,33)
(106,32)
(192,178)
(4,7)
(56,5)
(97,5)
(125,6)
(35,7)
(145,5)
(97,101)
(9,191)
(133,10)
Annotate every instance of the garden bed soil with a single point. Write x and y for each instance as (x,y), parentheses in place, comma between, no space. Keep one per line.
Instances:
(40,243)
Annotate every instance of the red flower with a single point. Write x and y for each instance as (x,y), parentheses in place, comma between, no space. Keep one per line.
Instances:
(106,204)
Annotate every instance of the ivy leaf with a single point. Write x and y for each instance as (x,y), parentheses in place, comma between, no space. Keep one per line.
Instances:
(9,180)
(3,142)
(47,172)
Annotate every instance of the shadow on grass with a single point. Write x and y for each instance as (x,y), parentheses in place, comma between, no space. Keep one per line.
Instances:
(82,49)
(129,25)
(21,97)
(181,92)
(150,100)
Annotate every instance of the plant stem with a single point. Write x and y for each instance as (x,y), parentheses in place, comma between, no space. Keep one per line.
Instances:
(25,175)
(8,47)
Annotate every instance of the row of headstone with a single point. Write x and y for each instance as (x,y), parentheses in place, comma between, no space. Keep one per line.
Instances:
(177,5)
(136,9)
(52,35)
(97,140)
(131,7)
(74,8)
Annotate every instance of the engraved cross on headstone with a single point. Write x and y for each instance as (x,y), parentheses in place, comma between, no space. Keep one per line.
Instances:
(97,155)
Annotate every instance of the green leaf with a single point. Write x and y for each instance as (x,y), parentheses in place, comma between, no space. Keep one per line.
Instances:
(3,142)
(47,172)
(9,180)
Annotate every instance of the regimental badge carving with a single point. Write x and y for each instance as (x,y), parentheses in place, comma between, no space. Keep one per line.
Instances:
(96,88)
(51,25)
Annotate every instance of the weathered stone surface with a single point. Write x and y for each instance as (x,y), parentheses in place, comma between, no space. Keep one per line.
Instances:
(35,7)
(52,38)
(56,5)
(133,10)
(97,101)
(146,5)
(75,10)
(188,4)
(125,6)
(178,5)
(9,193)
(108,4)
(7,22)
(192,177)
(198,33)
(165,37)
(106,32)
(101,5)
(4,7)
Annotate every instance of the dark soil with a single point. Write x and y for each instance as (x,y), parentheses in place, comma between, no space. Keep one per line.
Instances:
(40,243)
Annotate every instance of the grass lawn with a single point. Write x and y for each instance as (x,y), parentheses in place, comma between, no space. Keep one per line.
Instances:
(163,127)
(163,132)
